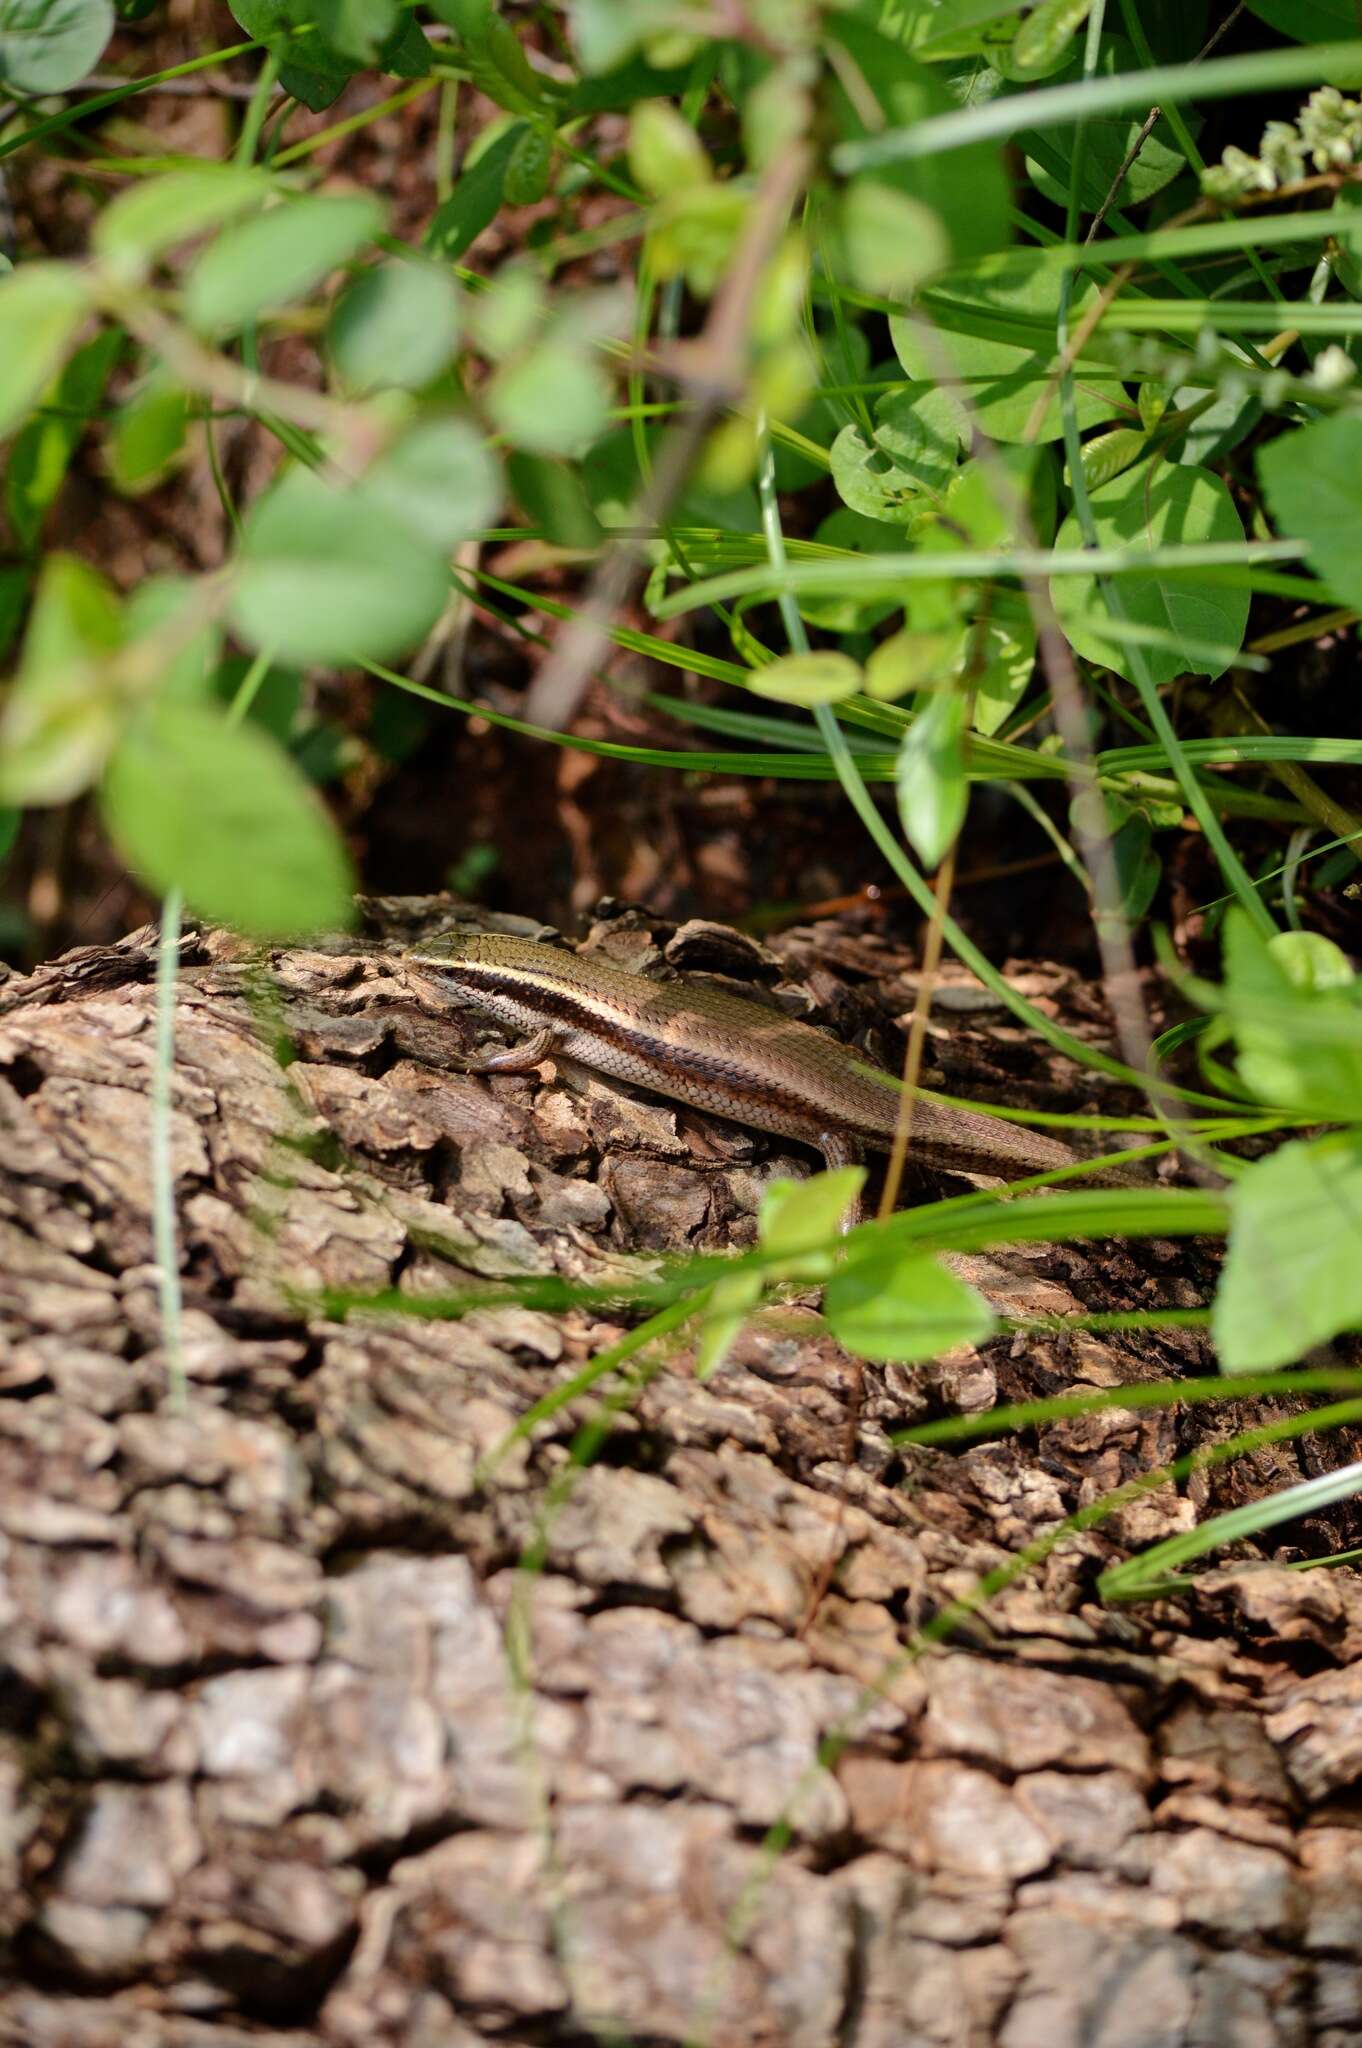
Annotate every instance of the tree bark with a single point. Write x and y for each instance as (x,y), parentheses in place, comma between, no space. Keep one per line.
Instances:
(296,1748)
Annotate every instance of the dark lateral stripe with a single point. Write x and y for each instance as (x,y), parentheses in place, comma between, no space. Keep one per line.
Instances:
(580,1013)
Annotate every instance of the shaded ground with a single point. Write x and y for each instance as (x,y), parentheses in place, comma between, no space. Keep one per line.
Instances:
(291,1751)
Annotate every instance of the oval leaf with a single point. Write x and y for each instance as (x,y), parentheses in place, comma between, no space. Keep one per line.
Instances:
(47,45)
(820,677)
(278,257)
(325,576)
(219,811)
(41,306)
(1177,503)
(396,325)
(156,214)
(1293,1272)
(898,1308)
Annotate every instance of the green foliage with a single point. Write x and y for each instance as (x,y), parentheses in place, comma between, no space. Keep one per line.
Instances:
(47,45)
(42,306)
(325,575)
(397,324)
(900,1307)
(199,804)
(42,450)
(276,258)
(1313,482)
(1293,1274)
(1177,503)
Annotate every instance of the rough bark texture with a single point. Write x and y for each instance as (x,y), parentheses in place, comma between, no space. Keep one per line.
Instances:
(268,1770)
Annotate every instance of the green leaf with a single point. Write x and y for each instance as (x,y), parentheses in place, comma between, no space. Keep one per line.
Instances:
(666,156)
(147,435)
(323,576)
(799,1215)
(62,713)
(965,194)
(553,497)
(899,1308)
(42,449)
(552,400)
(396,325)
(1308,21)
(914,658)
(1299,1048)
(196,803)
(1000,382)
(1310,961)
(49,45)
(530,167)
(314,72)
(276,258)
(820,677)
(891,242)
(1313,482)
(10,821)
(929,777)
(14,583)
(473,203)
(607,31)
(41,307)
(406,54)
(179,649)
(151,217)
(1107,145)
(1000,659)
(1177,503)
(441,481)
(1293,1271)
(844,611)
(355,29)
(731,1300)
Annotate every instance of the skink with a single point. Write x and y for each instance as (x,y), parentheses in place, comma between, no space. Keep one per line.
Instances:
(717,1052)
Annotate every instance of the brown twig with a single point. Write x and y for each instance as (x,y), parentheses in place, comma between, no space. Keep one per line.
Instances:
(710,370)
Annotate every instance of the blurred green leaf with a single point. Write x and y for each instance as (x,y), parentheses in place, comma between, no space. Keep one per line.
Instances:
(397,324)
(553,497)
(153,215)
(49,45)
(666,155)
(62,713)
(899,1308)
(324,576)
(891,242)
(552,400)
(1293,1271)
(279,256)
(166,612)
(147,434)
(41,307)
(798,1215)
(441,481)
(878,84)
(196,803)
(42,450)
(820,677)
(929,777)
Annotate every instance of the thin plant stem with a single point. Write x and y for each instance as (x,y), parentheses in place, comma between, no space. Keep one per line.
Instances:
(164,1225)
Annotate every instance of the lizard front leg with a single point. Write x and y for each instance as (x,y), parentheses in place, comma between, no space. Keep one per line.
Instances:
(513,1059)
